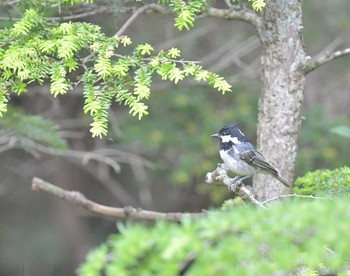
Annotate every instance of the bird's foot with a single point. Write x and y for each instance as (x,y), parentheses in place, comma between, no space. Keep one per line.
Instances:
(234,185)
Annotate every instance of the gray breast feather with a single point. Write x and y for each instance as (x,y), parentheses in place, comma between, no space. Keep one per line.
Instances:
(235,164)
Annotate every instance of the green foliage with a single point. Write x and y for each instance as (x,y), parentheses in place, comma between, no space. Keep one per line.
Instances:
(35,49)
(95,261)
(318,146)
(39,4)
(287,239)
(324,182)
(28,129)
(258,5)
(186,11)
(342,131)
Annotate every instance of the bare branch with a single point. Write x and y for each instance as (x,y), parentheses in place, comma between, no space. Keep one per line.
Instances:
(110,157)
(80,15)
(132,18)
(66,17)
(314,63)
(107,211)
(240,14)
(293,195)
(219,176)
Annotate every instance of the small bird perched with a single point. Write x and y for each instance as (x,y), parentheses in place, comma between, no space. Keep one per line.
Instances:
(241,157)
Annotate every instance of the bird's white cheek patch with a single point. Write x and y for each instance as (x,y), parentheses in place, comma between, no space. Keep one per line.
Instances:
(229,138)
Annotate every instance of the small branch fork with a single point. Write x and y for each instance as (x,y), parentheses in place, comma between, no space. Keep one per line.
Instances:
(219,176)
(316,62)
(126,212)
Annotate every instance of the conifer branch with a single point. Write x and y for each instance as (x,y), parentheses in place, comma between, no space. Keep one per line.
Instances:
(127,212)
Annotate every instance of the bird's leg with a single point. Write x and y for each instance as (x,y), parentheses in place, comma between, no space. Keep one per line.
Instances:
(236,182)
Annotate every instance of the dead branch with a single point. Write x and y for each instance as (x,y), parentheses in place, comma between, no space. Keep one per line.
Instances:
(127,212)
(316,62)
(293,195)
(132,19)
(238,13)
(219,176)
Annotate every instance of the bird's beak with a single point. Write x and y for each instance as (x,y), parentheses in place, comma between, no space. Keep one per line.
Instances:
(215,135)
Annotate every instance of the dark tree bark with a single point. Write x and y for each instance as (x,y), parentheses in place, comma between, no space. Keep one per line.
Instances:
(283,61)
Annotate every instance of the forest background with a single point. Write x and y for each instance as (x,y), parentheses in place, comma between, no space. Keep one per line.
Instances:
(160,162)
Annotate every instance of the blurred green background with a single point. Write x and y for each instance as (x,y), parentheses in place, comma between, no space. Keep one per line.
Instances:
(165,156)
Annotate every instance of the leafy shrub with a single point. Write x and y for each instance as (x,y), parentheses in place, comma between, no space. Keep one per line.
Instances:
(289,238)
(324,182)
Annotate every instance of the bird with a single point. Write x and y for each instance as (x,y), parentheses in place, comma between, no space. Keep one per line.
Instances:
(241,157)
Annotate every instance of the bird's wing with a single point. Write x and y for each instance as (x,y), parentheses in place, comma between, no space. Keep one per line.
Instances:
(256,159)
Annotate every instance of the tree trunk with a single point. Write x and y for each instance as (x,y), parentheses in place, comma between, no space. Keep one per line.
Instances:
(283,78)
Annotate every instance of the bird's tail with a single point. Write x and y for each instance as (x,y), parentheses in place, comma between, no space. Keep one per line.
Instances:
(283,181)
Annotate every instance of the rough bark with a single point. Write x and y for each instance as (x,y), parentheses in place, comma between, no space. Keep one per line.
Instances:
(283,60)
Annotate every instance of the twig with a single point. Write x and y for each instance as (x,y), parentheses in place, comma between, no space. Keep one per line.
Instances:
(292,195)
(179,61)
(314,63)
(240,14)
(107,211)
(65,17)
(132,19)
(79,15)
(220,174)
(111,157)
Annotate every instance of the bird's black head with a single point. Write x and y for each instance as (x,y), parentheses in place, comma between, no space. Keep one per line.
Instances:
(231,134)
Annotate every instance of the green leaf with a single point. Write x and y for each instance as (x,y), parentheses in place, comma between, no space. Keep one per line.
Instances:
(59,83)
(98,129)
(103,67)
(142,91)
(185,20)
(174,53)
(175,75)
(341,130)
(139,109)
(202,75)
(71,65)
(27,128)
(258,5)
(96,259)
(19,87)
(125,40)
(144,49)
